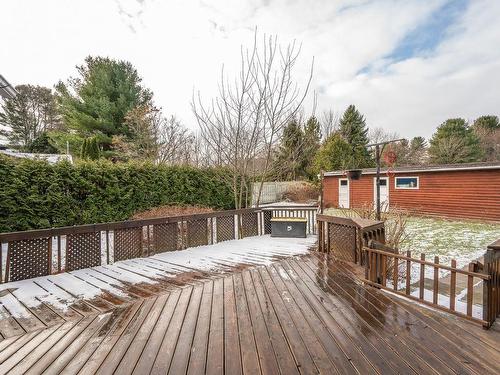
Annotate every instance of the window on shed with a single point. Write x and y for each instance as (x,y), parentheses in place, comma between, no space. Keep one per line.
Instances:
(343,182)
(407,183)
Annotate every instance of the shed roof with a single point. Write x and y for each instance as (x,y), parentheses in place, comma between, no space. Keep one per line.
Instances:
(427,168)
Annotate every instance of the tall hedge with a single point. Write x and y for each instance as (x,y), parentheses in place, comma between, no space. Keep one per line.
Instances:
(35,194)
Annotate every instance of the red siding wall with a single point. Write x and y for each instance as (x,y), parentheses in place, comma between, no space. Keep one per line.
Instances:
(459,194)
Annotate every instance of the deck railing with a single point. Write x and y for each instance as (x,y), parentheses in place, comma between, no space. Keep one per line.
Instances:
(386,266)
(345,237)
(35,253)
(491,289)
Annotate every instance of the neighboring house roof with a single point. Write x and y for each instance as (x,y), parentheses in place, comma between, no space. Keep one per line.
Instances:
(6,89)
(426,168)
(51,158)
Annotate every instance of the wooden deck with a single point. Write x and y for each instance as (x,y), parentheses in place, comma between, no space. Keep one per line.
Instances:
(307,314)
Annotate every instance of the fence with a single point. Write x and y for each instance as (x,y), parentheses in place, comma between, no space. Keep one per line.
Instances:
(272,191)
(345,237)
(43,252)
(385,265)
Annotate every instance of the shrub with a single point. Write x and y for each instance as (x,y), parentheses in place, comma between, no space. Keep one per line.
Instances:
(35,194)
(302,193)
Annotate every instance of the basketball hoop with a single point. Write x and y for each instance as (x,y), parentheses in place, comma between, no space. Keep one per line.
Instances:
(390,157)
(390,172)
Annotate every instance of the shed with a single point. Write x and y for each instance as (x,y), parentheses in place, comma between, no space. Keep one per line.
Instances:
(469,190)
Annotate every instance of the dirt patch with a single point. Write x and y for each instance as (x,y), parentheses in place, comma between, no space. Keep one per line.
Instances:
(165,211)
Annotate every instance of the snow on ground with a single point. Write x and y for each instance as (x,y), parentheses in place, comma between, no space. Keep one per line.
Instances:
(64,289)
(460,240)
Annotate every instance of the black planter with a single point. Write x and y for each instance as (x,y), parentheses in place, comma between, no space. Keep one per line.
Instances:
(353,174)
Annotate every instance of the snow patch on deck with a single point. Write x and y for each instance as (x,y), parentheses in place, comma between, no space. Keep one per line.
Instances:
(62,290)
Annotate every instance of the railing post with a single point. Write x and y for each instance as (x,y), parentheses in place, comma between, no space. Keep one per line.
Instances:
(491,288)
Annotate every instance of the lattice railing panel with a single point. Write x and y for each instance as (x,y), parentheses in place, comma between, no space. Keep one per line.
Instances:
(28,259)
(268,215)
(197,233)
(225,228)
(166,237)
(83,250)
(342,241)
(127,243)
(249,224)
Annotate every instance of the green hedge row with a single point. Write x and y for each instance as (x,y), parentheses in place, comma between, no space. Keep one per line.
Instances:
(35,194)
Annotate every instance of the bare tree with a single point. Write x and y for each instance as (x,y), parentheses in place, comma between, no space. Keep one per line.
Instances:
(242,124)
(379,134)
(175,142)
(329,123)
(280,97)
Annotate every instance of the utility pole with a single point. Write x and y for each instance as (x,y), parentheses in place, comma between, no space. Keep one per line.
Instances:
(379,149)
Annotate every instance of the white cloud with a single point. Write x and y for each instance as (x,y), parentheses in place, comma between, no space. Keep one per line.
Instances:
(180,45)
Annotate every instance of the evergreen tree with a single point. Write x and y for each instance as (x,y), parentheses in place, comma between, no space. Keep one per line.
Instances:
(312,142)
(332,154)
(90,149)
(289,162)
(454,142)
(42,145)
(29,114)
(487,123)
(418,150)
(98,99)
(487,129)
(353,129)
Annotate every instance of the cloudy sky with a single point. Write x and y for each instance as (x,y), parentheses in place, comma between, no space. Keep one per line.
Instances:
(406,64)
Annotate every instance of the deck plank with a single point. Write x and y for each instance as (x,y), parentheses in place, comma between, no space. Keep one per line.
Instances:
(349,347)
(150,351)
(125,315)
(397,351)
(180,358)
(215,349)
(287,362)
(249,356)
(375,345)
(290,316)
(232,351)
(199,348)
(267,356)
(169,341)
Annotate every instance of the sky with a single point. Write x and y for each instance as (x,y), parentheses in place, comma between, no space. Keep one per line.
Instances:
(407,65)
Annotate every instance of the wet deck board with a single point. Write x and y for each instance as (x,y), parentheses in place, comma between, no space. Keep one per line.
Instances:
(305,314)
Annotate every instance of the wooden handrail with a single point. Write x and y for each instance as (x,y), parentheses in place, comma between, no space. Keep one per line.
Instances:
(426,263)
(376,273)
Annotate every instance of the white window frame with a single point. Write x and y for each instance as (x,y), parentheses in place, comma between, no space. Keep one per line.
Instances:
(406,188)
(348,192)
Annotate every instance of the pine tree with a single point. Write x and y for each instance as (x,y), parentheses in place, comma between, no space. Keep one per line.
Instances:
(90,149)
(312,142)
(353,129)
(29,114)
(487,129)
(98,99)
(454,142)
(332,154)
(289,162)
(83,151)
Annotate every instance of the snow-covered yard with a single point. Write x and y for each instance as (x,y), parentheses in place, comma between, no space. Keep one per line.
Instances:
(450,239)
